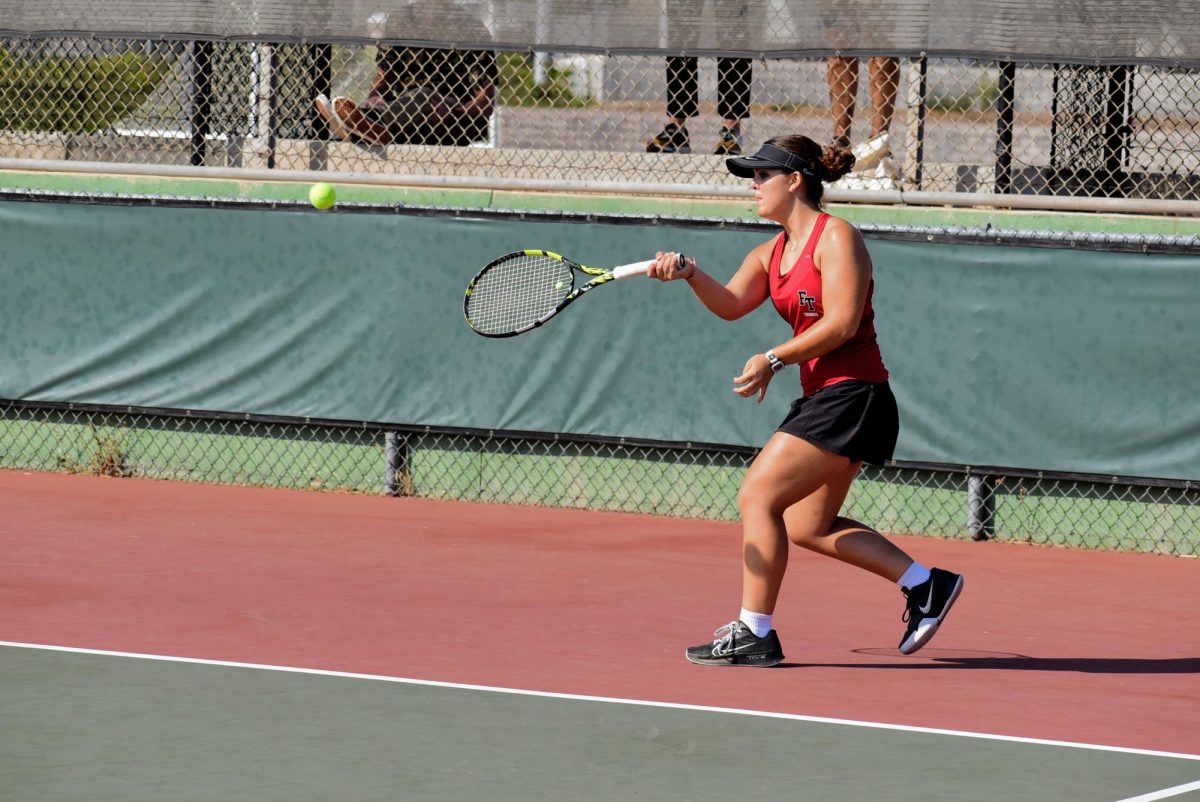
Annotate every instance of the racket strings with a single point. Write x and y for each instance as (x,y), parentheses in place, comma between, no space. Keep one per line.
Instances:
(516,292)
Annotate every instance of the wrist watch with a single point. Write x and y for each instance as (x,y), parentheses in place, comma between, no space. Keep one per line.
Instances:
(776,363)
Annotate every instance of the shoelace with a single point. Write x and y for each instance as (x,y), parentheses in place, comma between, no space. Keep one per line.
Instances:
(910,604)
(725,635)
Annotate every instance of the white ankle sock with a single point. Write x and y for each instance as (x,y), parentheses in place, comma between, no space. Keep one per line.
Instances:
(915,575)
(759,623)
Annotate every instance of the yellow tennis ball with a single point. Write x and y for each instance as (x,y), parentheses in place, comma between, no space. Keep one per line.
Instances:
(560,285)
(322,195)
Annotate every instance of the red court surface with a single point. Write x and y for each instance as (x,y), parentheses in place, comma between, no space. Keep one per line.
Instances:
(1099,648)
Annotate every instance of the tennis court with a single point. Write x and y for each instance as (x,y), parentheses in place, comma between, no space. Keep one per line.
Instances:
(164,640)
(181,641)
(276,525)
(169,640)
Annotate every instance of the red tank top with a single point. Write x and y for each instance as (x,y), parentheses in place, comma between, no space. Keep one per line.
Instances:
(796,294)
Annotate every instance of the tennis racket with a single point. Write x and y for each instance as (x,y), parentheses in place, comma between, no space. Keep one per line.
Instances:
(522,290)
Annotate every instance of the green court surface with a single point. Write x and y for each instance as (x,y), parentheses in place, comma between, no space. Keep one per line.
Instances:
(103,726)
(106,184)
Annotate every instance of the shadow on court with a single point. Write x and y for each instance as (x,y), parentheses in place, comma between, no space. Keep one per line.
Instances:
(1020,662)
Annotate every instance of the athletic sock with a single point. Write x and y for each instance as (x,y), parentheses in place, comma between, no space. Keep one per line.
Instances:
(916,574)
(759,623)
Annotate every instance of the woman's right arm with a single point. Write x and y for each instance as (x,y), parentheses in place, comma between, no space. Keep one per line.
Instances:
(744,293)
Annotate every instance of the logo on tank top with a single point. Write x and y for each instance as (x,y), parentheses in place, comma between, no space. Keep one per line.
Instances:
(808,304)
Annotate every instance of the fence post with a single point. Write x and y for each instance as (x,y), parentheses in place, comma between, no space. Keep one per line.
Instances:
(1005,105)
(981,510)
(272,115)
(395,449)
(321,77)
(201,100)
(914,101)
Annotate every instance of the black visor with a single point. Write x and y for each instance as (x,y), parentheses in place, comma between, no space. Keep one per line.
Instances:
(768,157)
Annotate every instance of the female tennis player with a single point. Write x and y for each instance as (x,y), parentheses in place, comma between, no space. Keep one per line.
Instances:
(817,272)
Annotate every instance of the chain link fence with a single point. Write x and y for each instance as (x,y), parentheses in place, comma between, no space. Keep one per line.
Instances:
(937,125)
(685,480)
(662,120)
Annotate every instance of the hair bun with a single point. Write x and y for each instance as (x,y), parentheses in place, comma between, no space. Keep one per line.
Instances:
(836,161)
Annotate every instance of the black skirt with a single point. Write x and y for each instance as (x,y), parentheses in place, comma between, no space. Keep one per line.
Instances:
(856,419)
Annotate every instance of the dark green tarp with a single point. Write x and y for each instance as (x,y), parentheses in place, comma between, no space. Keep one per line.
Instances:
(1015,356)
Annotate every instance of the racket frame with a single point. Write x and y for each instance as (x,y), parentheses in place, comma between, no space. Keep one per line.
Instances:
(599,276)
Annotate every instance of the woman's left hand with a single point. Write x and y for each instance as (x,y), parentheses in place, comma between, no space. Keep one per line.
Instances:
(755,378)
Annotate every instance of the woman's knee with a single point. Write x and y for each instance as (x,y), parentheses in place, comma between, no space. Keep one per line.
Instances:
(756,498)
(747,499)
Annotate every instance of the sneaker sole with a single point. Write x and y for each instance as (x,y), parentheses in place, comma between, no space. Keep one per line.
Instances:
(929,633)
(871,161)
(329,114)
(765,662)
(873,156)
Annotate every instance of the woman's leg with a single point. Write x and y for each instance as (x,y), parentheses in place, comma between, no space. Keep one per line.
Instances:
(814,523)
(683,88)
(786,471)
(842,77)
(794,491)
(734,79)
(885,84)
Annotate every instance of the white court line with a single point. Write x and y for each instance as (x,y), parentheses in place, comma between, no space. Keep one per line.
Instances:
(611,700)
(1164,793)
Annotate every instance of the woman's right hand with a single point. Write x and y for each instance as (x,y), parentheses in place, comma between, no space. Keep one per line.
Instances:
(667,266)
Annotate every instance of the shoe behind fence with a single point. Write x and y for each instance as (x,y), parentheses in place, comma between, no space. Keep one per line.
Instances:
(672,139)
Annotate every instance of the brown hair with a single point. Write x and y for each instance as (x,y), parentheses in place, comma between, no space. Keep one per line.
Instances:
(828,163)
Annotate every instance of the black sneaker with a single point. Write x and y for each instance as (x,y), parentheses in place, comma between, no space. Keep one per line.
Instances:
(730,142)
(672,139)
(926,605)
(736,645)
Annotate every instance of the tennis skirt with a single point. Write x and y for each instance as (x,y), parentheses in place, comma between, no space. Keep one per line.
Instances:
(855,419)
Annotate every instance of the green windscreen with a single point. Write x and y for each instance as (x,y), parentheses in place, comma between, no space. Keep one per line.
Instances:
(1047,358)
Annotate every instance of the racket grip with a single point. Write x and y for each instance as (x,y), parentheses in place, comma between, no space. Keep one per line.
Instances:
(639,268)
(635,269)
